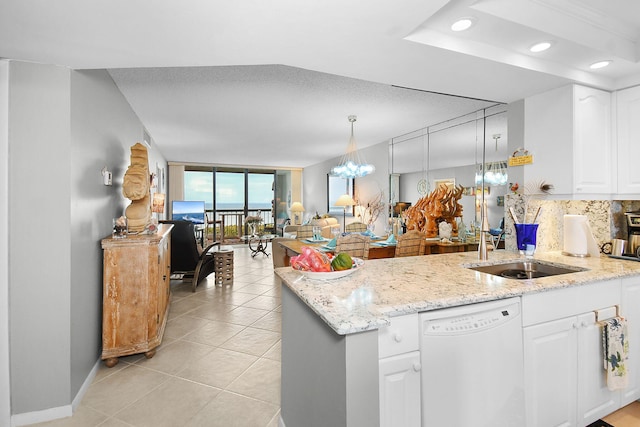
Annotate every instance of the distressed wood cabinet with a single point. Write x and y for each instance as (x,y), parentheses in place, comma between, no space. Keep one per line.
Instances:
(135,293)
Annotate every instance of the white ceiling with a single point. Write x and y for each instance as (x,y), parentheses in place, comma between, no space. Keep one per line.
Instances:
(272,82)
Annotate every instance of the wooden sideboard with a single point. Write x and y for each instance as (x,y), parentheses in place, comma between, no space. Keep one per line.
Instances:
(135,295)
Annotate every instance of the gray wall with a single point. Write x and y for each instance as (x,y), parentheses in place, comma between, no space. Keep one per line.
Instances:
(5,402)
(65,126)
(39,241)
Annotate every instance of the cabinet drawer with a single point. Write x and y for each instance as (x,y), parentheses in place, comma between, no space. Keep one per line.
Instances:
(556,304)
(401,336)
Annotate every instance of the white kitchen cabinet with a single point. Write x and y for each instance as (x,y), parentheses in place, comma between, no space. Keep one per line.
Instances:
(564,376)
(550,373)
(628,135)
(595,400)
(568,132)
(399,372)
(565,382)
(399,381)
(631,311)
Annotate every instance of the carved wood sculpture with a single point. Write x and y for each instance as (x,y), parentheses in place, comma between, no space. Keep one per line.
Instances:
(438,206)
(137,188)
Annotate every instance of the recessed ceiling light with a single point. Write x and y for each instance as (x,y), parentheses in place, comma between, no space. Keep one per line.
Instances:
(599,64)
(463,24)
(540,47)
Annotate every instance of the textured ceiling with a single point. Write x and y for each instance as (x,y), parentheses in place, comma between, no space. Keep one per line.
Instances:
(200,73)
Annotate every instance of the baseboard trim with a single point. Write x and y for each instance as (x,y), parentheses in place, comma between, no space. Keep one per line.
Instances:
(51,414)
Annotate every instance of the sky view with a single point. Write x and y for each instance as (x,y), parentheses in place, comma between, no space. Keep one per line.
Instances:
(230,189)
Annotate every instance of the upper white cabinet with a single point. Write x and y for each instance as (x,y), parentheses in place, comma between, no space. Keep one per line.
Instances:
(568,131)
(628,136)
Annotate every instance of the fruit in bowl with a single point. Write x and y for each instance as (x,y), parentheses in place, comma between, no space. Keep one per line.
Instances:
(311,260)
(342,261)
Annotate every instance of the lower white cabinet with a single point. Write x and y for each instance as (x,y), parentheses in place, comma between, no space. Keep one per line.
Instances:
(399,372)
(399,382)
(550,374)
(564,377)
(631,311)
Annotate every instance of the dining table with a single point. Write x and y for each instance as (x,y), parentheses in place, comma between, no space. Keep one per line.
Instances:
(294,247)
(378,248)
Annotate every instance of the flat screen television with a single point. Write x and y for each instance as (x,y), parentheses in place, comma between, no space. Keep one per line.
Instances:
(188,210)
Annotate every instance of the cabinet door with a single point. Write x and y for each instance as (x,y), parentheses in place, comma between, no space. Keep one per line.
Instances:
(163,277)
(399,379)
(594,398)
(591,141)
(628,135)
(550,373)
(631,311)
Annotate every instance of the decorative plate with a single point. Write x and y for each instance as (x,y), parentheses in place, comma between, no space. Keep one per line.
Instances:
(423,187)
(331,275)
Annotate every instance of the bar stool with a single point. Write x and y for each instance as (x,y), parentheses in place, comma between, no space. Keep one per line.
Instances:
(223,266)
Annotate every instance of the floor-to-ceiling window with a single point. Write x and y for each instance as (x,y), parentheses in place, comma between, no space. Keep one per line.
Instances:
(232,194)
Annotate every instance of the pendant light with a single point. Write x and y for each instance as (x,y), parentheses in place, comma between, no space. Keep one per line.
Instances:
(352,165)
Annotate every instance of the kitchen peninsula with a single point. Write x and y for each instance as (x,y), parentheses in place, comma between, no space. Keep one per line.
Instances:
(333,331)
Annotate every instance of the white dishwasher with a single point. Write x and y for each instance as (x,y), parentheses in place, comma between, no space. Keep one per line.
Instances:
(472,365)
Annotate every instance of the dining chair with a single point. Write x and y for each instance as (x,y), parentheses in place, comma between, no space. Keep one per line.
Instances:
(356,227)
(356,245)
(304,232)
(411,243)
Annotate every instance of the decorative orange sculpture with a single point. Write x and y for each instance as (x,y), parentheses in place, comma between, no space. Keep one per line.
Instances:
(438,206)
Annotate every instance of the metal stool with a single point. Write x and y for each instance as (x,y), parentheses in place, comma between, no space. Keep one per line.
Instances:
(223,265)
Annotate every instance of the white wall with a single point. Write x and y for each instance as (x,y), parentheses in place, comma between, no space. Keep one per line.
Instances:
(65,126)
(315,182)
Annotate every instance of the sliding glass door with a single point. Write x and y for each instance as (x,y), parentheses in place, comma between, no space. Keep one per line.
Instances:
(230,195)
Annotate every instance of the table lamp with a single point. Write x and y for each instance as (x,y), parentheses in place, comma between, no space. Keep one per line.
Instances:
(344,201)
(296,208)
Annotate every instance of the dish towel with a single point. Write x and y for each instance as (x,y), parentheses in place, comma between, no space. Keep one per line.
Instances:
(615,348)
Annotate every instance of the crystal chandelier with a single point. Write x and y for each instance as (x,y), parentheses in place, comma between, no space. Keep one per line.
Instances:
(351,165)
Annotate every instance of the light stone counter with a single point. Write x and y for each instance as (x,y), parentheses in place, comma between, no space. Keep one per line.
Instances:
(385,288)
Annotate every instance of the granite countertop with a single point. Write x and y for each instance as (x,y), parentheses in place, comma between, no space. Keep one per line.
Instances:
(390,287)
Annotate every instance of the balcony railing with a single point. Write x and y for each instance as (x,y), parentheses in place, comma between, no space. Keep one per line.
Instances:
(233,221)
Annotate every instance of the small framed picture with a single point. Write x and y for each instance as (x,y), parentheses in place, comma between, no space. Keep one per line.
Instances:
(449,183)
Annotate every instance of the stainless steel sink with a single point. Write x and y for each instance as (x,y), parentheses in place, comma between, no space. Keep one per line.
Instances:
(523,270)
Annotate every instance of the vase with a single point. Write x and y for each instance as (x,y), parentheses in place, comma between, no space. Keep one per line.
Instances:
(526,239)
(253,228)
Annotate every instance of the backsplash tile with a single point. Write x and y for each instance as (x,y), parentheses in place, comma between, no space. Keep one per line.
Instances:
(605,217)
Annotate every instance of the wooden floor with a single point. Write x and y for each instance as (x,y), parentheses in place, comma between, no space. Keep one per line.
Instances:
(629,416)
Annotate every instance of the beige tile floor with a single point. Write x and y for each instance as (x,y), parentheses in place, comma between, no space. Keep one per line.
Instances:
(218,365)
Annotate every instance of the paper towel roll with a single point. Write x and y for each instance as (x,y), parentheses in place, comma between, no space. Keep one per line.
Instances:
(578,239)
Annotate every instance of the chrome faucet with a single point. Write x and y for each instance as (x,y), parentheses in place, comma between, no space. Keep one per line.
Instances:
(483,251)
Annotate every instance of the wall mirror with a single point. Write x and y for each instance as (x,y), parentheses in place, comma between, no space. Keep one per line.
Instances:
(336,187)
(458,150)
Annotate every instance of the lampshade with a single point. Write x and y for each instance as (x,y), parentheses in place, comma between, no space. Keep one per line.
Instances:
(345,200)
(158,203)
(297,207)
(352,165)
